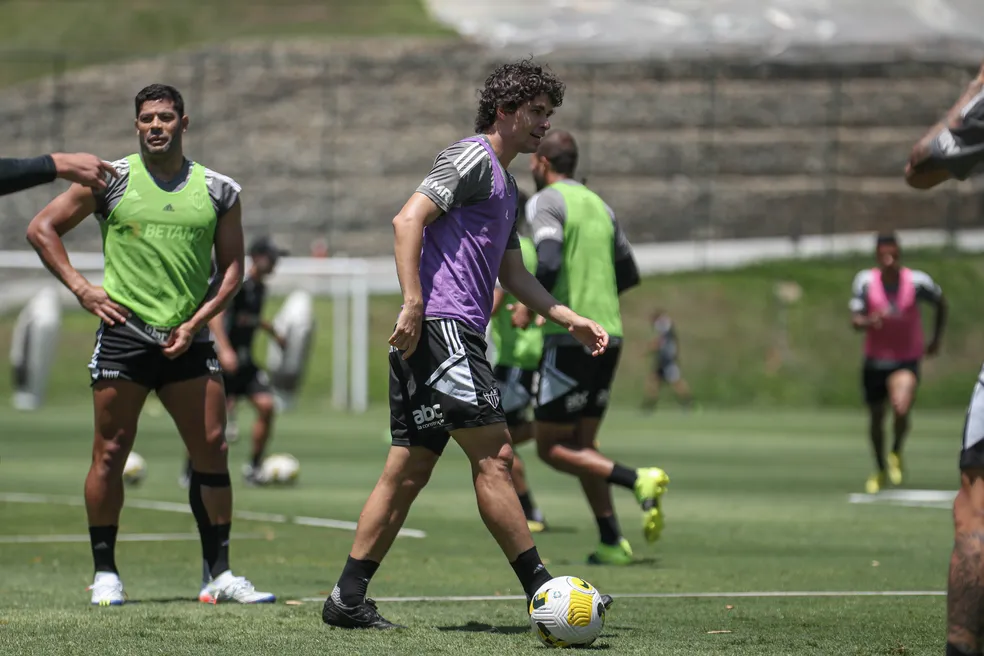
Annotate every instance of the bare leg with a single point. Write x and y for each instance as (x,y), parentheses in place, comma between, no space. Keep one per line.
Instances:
(405,474)
(557,446)
(965,588)
(901,392)
(876,432)
(117,406)
(521,433)
(262,427)
(198,408)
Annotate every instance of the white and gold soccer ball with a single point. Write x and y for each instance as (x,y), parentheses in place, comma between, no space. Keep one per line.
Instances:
(281,468)
(135,469)
(567,612)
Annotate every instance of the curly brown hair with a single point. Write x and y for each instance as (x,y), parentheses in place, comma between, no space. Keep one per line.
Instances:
(511,85)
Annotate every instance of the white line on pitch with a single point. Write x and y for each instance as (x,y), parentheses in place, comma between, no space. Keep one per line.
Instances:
(684,595)
(126,537)
(169,506)
(942,499)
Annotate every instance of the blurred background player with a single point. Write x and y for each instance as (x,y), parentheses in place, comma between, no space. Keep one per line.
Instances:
(585,260)
(665,351)
(518,340)
(161,219)
(885,305)
(233,331)
(952,149)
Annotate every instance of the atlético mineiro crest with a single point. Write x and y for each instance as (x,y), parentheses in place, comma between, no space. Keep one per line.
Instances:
(492,396)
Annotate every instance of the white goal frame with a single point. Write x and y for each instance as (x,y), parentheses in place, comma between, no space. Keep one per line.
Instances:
(345,280)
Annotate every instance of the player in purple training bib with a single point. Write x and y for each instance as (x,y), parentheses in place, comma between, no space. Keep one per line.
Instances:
(453,238)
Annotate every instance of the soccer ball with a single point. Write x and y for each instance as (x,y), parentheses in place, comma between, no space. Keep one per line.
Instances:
(567,612)
(135,469)
(280,468)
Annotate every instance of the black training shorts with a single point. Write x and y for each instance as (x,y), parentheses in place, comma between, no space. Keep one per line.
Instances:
(446,385)
(573,383)
(248,380)
(125,352)
(874,379)
(518,391)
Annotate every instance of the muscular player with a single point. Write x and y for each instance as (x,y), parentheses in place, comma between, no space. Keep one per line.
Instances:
(81,168)
(233,331)
(885,305)
(954,148)
(518,340)
(160,219)
(665,350)
(584,258)
(452,237)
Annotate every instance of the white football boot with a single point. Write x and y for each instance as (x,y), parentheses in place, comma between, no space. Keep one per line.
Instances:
(226,587)
(107,590)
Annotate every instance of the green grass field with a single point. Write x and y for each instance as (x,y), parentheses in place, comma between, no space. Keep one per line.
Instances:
(758,503)
(35,32)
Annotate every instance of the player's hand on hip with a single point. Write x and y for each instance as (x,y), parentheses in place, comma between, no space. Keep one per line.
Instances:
(85,169)
(281,341)
(589,333)
(933,348)
(95,300)
(179,341)
(407,332)
(228,361)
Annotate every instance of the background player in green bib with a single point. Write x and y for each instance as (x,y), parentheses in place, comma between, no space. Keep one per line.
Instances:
(518,340)
(585,260)
(161,220)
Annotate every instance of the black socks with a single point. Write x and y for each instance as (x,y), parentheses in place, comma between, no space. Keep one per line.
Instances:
(354,582)
(623,476)
(102,539)
(530,570)
(215,538)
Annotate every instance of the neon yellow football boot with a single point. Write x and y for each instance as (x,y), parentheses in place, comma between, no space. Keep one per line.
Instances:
(875,483)
(895,468)
(612,554)
(650,486)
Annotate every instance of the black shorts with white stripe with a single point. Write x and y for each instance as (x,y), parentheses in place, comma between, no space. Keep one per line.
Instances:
(518,389)
(574,384)
(445,385)
(972,450)
(131,351)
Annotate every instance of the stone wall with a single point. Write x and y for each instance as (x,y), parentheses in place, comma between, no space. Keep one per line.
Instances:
(329,139)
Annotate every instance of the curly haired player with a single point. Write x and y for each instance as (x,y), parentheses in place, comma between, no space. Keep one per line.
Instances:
(452,238)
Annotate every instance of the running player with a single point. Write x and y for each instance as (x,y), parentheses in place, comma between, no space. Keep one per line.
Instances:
(454,234)
(884,304)
(80,168)
(665,351)
(585,259)
(160,220)
(233,331)
(953,148)
(518,340)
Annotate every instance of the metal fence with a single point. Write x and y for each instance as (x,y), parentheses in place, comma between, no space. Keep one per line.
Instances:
(329,139)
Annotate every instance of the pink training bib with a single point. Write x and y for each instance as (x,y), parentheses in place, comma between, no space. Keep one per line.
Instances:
(900,336)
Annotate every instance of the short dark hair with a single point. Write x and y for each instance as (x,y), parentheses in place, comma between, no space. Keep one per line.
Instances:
(511,85)
(159,92)
(560,149)
(886,239)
